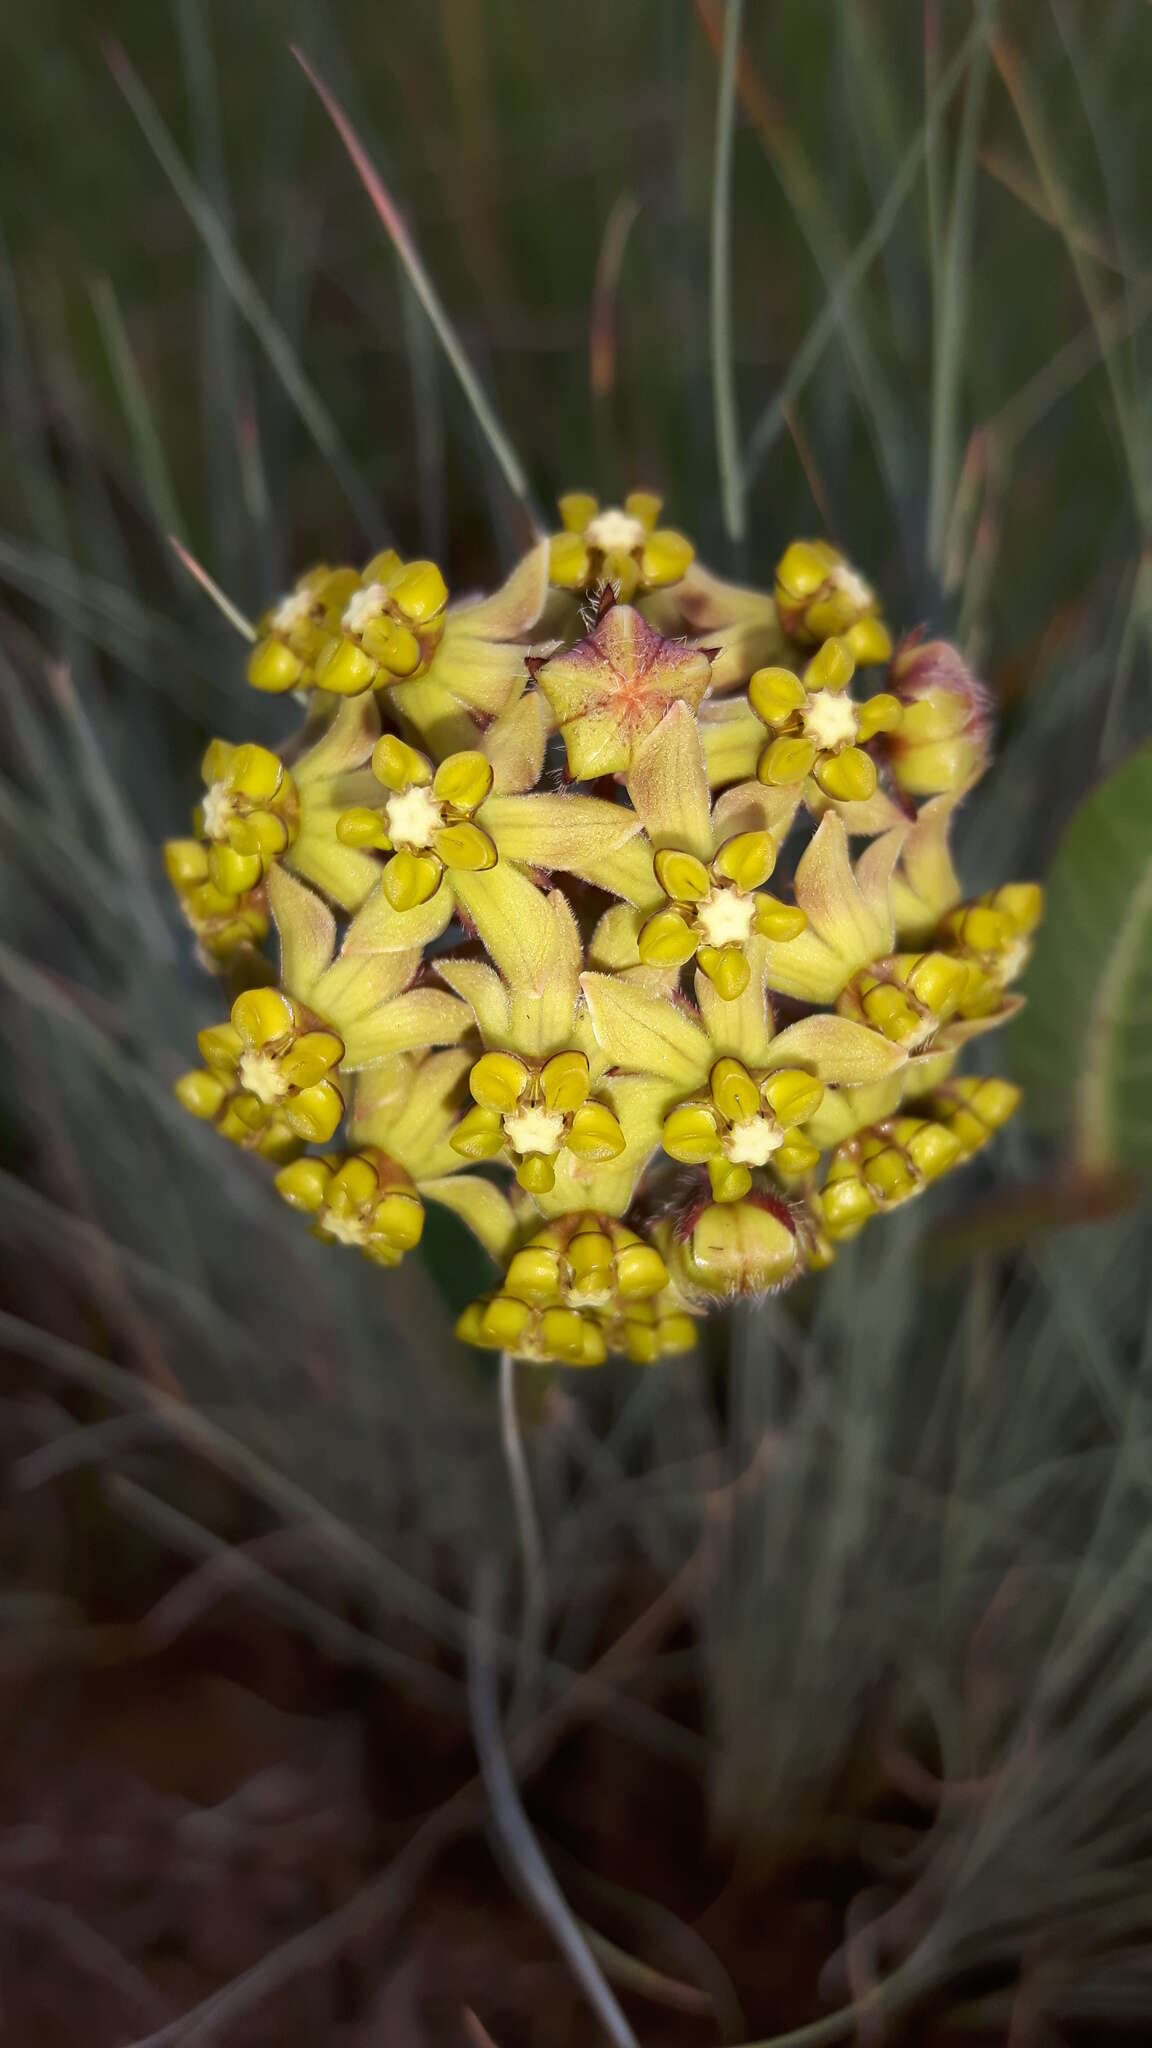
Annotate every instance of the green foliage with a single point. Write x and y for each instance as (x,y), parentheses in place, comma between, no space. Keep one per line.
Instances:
(1082,1049)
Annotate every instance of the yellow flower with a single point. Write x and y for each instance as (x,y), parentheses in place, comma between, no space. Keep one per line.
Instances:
(607,1289)
(818,728)
(356,1199)
(480,667)
(248,814)
(621,546)
(586,1261)
(726,1089)
(530,1110)
(706,898)
(451,823)
(849,912)
(545,1335)
(974,1107)
(993,935)
(236,1114)
(225,925)
(885,1165)
(389,628)
(943,742)
(291,637)
(909,997)
(614,686)
(281,1058)
(657,1153)
(819,594)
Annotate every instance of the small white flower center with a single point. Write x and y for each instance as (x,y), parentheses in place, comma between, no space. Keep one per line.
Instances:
(592,1297)
(753,1143)
(830,719)
(363,606)
(293,610)
(534,1130)
(726,917)
(260,1074)
(345,1227)
(851,584)
(217,806)
(413,815)
(615,529)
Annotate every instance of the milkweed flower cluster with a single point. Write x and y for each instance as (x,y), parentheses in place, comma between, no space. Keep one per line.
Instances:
(528,964)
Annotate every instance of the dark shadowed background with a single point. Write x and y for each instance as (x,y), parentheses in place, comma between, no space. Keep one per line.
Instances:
(829,1705)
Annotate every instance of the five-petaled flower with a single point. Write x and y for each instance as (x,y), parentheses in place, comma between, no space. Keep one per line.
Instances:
(621,546)
(818,728)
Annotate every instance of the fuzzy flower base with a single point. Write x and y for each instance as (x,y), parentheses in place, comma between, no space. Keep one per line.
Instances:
(530,967)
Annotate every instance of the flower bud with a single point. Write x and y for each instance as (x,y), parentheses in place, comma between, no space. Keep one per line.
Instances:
(943,741)
(742,1247)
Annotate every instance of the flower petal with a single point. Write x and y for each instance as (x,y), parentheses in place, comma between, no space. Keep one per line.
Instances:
(344,874)
(345,743)
(849,918)
(515,744)
(408,1107)
(733,741)
(756,807)
(484,1207)
(513,920)
(307,931)
(925,886)
(668,785)
(646,1034)
(482,988)
(838,1050)
(558,831)
(411,1022)
(627,872)
(743,1026)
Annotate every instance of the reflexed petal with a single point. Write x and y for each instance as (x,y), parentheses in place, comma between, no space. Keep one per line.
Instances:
(838,1050)
(307,932)
(668,785)
(421,1018)
(547,831)
(646,1034)
(484,1208)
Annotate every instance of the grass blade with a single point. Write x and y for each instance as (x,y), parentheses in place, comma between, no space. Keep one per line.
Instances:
(426,292)
(511,1824)
(148,447)
(773,420)
(200,575)
(723,366)
(243,290)
(948,351)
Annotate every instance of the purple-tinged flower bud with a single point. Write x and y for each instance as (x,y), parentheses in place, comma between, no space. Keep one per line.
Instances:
(943,742)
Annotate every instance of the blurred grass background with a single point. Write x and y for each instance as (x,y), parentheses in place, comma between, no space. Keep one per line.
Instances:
(863,1590)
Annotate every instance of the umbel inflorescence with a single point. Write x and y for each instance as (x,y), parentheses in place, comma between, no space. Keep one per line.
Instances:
(536,958)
